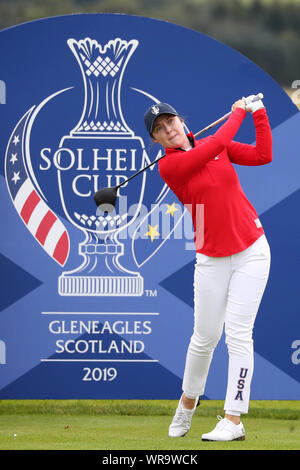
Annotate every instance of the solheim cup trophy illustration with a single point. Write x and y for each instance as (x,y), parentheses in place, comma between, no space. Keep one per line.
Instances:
(106,152)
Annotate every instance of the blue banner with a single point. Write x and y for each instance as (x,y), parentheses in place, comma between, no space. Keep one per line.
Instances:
(98,304)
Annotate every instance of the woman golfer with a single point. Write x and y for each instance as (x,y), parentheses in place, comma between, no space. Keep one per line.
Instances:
(232,258)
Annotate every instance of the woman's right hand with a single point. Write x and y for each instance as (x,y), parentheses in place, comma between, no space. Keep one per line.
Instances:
(238,104)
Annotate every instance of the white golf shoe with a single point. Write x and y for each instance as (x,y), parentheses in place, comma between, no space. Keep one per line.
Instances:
(181,422)
(225,430)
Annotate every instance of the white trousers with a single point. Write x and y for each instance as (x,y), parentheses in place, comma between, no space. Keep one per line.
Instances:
(227,292)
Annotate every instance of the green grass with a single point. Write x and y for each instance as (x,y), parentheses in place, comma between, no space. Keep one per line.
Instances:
(138,424)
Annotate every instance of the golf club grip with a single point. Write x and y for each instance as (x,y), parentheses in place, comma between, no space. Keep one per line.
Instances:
(257,97)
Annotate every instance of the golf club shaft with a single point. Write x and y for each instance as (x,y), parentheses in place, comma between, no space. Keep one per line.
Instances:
(257,97)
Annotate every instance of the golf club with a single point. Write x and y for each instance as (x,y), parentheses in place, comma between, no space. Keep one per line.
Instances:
(108,196)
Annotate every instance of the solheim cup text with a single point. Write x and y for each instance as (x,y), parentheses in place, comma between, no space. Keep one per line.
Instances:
(102,161)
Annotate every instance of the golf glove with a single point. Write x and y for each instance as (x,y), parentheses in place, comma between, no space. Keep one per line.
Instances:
(253,105)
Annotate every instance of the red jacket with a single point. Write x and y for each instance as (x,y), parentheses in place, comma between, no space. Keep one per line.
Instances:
(204,177)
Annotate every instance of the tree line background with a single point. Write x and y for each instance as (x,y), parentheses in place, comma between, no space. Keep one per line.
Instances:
(266,31)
